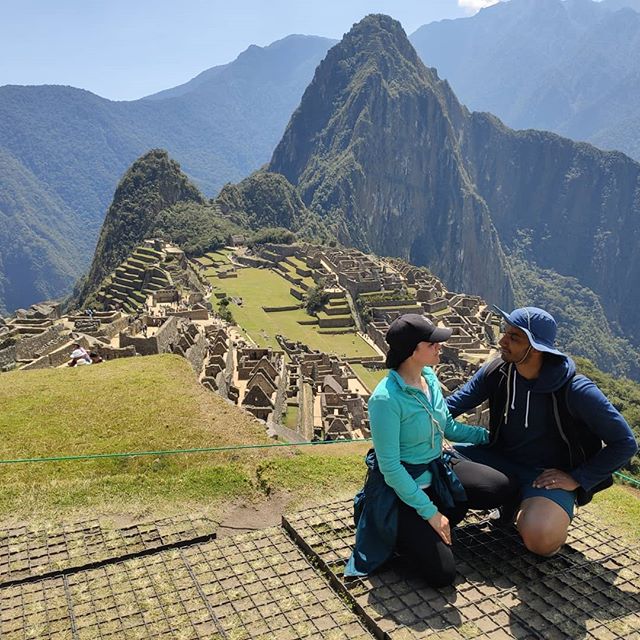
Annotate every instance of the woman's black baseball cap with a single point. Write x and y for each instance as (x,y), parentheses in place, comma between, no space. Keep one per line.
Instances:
(406,332)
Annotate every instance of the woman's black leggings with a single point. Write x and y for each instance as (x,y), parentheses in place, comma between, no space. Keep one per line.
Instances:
(418,541)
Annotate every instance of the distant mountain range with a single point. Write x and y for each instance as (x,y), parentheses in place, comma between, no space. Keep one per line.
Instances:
(566,66)
(572,66)
(62,151)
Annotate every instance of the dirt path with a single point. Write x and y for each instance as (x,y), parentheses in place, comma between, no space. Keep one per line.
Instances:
(242,517)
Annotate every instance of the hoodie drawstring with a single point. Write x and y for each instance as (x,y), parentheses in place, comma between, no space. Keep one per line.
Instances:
(511,397)
(506,406)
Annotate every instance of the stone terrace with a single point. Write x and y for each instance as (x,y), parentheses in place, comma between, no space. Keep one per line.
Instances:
(173,578)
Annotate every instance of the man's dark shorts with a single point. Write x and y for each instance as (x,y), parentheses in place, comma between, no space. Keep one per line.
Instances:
(524,475)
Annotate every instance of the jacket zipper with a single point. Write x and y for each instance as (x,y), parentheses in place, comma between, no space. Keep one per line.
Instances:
(434,422)
(556,414)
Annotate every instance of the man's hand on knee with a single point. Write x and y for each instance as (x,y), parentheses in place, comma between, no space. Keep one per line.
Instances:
(555,479)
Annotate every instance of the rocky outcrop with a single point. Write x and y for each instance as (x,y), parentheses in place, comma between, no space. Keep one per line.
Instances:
(153,183)
(576,207)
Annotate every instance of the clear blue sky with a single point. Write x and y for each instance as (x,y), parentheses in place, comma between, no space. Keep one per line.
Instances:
(126,49)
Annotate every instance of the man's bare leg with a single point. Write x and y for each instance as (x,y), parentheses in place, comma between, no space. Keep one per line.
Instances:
(543,525)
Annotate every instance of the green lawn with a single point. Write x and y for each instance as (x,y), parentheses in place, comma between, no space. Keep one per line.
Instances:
(120,406)
(262,287)
(619,506)
(290,418)
(369,377)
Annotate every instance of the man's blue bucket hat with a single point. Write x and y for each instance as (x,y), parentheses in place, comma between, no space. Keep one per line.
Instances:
(538,324)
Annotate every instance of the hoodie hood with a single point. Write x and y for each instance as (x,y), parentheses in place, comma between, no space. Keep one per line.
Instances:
(555,372)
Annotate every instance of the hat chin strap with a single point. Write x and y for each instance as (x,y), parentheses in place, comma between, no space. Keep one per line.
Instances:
(525,356)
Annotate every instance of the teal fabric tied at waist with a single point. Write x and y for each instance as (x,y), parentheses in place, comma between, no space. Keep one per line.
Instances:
(375,510)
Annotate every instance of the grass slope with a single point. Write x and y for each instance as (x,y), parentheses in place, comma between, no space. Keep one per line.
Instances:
(142,404)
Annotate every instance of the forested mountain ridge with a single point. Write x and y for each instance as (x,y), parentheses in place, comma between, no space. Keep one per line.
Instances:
(568,66)
(381,147)
(74,146)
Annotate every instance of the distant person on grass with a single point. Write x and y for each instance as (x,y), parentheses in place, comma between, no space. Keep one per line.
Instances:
(547,429)
(79,356)
(413,495)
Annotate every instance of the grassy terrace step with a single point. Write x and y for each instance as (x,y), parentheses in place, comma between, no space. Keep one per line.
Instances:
(137,263)
(134,271)
(326,316)
(134,285)
(404,308)
(142,257)
(149,251)
(125,289)
(120,293)
(337,331)
(160,279)
(126,278)
(337,311)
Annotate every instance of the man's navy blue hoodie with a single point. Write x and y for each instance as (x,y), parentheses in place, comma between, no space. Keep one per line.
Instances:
(528,433)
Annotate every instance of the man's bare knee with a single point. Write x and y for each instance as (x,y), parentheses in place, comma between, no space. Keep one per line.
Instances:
(543,526)
(541,542)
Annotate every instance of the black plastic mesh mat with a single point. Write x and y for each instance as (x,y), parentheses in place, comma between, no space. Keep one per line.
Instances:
(257,585)
(589,590)
(27,552)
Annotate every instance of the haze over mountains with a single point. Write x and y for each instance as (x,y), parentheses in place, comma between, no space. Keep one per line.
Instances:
(499,201)
(569,66)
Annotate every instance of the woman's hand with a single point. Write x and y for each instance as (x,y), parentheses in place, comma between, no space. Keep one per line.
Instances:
(440,524)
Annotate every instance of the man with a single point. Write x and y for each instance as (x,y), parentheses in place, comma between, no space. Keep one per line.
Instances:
(547,428)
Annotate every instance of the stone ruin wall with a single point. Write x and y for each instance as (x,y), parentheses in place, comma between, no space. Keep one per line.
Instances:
(196,352)
(8,357)
(161,342)
(33,346)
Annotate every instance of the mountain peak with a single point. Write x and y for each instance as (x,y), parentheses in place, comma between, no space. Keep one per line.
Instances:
(152,183)
(375,37)
(374,148)
(373,63)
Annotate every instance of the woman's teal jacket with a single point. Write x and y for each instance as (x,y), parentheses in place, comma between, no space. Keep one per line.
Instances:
(407,426)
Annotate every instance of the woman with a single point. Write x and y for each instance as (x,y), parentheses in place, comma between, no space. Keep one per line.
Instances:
(413,496)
